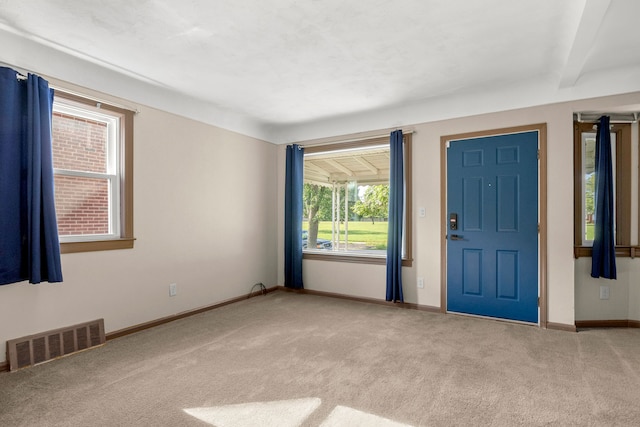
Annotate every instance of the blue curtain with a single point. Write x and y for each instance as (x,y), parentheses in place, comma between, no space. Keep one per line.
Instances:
(396,216)
(603,258)
(29,246)
(293,217)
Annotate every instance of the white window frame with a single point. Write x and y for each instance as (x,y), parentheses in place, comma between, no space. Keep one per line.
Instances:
(113,167)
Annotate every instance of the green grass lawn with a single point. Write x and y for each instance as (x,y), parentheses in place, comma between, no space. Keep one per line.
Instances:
(372,236)
(590,231)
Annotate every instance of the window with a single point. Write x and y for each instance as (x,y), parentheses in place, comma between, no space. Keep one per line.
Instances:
(93,174)
(584,185)
(345,201)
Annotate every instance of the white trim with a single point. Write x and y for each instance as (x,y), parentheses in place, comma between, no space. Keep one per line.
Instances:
(112,175)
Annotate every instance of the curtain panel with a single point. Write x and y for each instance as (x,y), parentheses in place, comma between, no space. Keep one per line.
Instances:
(603,258)
(293,217)
(396,217)
(29,245)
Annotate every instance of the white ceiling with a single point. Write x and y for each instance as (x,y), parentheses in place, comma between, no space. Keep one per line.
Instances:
(287,70)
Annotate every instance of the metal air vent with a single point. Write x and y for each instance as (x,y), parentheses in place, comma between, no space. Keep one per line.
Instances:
(45,346)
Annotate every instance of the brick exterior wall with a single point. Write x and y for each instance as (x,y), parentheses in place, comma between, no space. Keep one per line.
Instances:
(82,204)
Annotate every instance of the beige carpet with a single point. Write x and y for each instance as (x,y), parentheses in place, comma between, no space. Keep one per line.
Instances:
(287,359)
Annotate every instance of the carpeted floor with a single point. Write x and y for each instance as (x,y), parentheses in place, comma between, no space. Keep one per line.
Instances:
(288,359)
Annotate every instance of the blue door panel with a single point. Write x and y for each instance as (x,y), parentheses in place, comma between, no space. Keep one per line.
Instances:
(492,185)
(472,271)
(472,204)
(507,203)
(507,275)
(508,154)
(472,158)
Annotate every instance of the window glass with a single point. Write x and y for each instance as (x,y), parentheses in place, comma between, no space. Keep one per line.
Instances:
(79,143)
(589,176)
(93,173)
(82,205)
(346,197)
(585,186)
(85,172)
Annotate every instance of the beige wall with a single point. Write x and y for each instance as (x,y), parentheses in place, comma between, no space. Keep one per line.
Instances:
(565,280)
(204,219)
(589,306)
(624,293)
(209,217)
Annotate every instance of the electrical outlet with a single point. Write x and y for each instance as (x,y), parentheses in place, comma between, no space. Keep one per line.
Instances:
(604,292)
(420,283)
(173,289)
(422,212)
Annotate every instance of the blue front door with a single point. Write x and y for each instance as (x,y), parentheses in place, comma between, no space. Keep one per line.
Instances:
(492,236)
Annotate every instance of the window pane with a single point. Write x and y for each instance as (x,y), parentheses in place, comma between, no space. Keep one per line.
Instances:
(79,144)
(345,200)
(82,205)
(588,172)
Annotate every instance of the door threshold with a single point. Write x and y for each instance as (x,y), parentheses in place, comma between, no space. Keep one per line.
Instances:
(498,319)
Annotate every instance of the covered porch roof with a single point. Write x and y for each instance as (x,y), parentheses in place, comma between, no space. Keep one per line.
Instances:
(368,166)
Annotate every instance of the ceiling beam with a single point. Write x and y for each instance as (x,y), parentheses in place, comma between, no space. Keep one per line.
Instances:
(366,164)
(338,166)
(590,21)
(317,169)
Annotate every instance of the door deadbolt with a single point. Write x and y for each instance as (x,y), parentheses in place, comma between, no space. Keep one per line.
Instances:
(453,221)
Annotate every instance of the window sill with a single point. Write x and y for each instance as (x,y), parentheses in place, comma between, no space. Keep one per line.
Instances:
(353,258)
(621,251)
(97,245)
